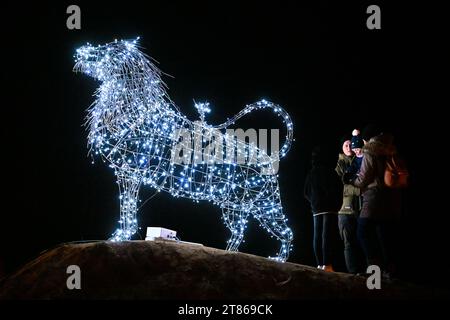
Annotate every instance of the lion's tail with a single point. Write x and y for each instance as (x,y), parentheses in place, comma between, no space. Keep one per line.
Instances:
(278,110)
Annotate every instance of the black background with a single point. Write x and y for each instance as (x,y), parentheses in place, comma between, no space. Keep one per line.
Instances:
(315,58)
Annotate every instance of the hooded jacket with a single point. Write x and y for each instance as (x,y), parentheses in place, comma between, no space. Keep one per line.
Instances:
(379,202)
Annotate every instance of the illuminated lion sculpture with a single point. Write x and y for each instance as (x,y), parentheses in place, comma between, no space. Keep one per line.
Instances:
(142,135)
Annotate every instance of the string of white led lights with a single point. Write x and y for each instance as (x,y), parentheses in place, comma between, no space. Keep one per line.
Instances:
(136,129)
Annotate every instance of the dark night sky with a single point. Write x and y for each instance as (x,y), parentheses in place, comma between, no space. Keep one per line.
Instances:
(318,60)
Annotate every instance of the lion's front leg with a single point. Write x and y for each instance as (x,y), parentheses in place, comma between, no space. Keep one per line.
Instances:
(129,192)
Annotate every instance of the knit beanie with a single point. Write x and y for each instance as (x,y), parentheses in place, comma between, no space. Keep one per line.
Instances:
(357,141)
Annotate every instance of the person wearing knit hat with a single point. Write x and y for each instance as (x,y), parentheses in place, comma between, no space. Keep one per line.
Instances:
(357,144)
(357,141)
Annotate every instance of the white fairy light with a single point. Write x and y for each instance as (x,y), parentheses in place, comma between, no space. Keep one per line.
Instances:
(135,128)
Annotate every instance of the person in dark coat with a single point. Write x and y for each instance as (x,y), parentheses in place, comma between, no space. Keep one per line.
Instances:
(323,189)
(381,207)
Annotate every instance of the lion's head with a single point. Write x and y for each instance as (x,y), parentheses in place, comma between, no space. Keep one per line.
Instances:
(117,59)
(131,86)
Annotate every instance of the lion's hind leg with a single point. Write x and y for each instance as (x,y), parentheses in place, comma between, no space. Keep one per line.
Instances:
(269,213)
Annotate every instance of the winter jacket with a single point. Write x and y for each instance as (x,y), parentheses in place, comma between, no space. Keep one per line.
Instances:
(351,199)
(323,190)
(379,202)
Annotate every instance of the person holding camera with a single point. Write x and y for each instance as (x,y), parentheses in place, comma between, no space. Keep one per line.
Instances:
(381,207)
